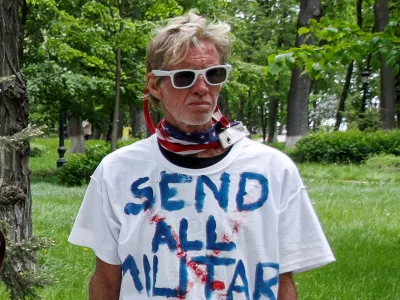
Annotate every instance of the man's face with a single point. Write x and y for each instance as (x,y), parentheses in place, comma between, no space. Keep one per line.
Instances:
(189,109)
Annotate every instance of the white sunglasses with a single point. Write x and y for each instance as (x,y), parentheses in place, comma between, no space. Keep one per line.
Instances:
(185,78)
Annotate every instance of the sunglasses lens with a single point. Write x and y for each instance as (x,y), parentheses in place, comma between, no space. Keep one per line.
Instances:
(216,75)
(184,78)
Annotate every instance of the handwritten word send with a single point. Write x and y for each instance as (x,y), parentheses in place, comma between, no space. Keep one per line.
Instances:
(221,194)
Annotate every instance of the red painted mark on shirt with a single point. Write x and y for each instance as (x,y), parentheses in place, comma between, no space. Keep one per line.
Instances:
(201,274)
(218,285)
(235,228)
(156,219)
(225,238)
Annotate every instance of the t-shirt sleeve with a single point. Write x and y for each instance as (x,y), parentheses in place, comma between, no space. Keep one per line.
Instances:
(302,243)
(96,225)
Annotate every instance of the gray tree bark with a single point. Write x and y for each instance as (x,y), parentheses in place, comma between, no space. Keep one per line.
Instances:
(240,108)
(398,99)
(297,109)
(137,122)
(274,102)
(15,194)
(223,105)
(114,135)
(272,114)
(121,123)
(387,98)
(75,133)
(343,96)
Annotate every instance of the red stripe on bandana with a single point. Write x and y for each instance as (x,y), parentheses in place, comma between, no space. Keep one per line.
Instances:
(178,142)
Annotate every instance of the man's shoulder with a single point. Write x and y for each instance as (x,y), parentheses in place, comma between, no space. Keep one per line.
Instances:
(258,149)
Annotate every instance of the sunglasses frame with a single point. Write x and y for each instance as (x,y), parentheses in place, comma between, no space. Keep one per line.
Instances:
(162,73)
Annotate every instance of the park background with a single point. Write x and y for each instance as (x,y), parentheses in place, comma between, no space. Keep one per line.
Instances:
(324,73)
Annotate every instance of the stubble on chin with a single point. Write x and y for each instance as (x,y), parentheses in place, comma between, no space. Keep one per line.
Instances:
(197,119)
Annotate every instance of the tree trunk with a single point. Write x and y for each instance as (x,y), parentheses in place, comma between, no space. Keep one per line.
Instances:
(272,114)
(398,99)
(240,108)
(343,97)
(138,123)
(359,13)
(223,105)
(23,20)
(121,123)
(132,118)
(15,194)
(297,109)
(274,103)
(263,120)
(75,133)
(96,134)
(387,97)
(155,116)
(114,134)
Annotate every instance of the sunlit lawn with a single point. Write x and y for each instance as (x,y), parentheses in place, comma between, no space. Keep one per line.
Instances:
(358,207)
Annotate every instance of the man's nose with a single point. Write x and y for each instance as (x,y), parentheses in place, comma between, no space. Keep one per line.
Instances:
(200,86)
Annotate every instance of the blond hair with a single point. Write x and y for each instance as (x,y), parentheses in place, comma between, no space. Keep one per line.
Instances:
(171,43)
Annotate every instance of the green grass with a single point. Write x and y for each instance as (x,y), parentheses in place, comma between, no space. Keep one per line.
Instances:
(358,207)
(54,212)
(359,210)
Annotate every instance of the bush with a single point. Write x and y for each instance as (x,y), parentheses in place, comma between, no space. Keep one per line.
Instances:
(36,150)
(346,147)
(386,161)
(80,167)
(76,171)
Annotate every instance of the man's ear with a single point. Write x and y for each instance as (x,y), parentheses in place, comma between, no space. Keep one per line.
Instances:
(154,89)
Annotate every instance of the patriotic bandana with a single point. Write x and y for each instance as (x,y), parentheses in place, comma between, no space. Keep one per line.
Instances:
(222,133)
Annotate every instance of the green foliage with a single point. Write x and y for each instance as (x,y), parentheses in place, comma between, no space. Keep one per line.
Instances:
(19,273)
(338,41)
(385,161)
(80,167)
(70,63)
(346,147)
(369,121)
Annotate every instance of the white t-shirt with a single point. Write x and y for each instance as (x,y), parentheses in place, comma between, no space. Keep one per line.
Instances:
(222,232)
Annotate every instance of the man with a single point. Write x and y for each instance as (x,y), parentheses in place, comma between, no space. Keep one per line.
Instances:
(196,211)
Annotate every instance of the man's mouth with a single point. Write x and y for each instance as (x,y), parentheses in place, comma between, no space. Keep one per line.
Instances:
(199,103)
